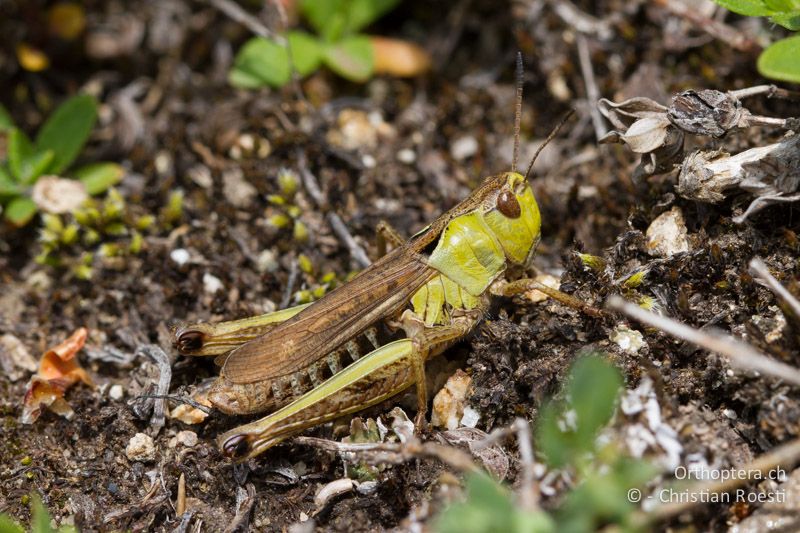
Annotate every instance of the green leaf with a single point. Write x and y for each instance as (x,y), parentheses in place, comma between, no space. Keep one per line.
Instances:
(20,211)
(326,16)
(7,185)
(7,525)
(334,19)
(20,150)
(6,124)
(362,13)
(41,518)
(35,166)
(489,508)
(749,8)
(351,58)
(66,131)
(790,21)
(99,177)
(593,392)
(260,62)
(780,60)
(306,52)
(782,5)
(555,444)
(26,162)
(566,431)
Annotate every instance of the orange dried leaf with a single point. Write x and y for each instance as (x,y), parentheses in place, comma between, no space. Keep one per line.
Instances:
(58,370)
(399,58)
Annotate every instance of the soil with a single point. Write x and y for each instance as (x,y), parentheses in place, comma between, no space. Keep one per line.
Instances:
(170,117)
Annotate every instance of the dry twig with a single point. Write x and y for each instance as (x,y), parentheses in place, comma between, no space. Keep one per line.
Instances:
(235,12)
(164,379)
(389,452)
(728,34)
(759,269)
(592,92)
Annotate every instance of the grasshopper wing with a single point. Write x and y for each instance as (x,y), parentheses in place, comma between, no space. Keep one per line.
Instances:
(376,293)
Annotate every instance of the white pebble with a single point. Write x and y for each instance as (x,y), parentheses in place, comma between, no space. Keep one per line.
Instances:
(267,262)
(464,148)
(211,284)
(187,438)
(407,156)
(470,417)
(116,392)
(141,448)
(180,256)
(667,234)
(628,340)
(368,161)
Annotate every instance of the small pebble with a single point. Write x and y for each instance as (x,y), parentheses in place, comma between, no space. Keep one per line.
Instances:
(163,162)
(667,234)
(470,417)
(188,414)
(449,402)
(629,340)
(368,161)
(141,448)
(267,262)
(407,156)
(179,256)
(187,438)
(201,175)
(116,392)
(463,148)
(211,284)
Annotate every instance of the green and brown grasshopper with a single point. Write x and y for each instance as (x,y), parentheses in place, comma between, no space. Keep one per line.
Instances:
(305,364)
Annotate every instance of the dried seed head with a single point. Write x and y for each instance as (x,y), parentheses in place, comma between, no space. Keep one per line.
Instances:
(706,112)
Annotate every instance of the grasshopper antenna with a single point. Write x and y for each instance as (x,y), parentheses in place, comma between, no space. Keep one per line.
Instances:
(519,74)
(549,138)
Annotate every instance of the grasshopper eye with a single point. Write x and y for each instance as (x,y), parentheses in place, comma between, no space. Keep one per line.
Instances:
(236,447)
(508,205)
(189,341)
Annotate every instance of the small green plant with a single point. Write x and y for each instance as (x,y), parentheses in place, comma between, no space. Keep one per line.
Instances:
(285,214)
(40,520)
(338,45)
(110,227)
(566,438)
(57,145)
(781,59)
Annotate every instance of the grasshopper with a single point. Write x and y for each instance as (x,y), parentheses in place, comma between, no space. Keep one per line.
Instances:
(369,339)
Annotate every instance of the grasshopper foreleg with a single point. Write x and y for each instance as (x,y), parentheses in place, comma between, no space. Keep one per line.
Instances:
(520,286)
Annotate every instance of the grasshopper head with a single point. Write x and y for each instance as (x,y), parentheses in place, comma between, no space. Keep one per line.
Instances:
(513,216)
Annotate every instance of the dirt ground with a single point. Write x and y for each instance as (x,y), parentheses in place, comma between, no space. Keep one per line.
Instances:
(396,150)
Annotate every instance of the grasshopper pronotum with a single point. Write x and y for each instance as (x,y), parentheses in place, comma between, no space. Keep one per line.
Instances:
(435,288)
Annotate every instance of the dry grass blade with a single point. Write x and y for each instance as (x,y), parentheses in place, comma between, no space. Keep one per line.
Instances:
(740,354)
(759,269)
